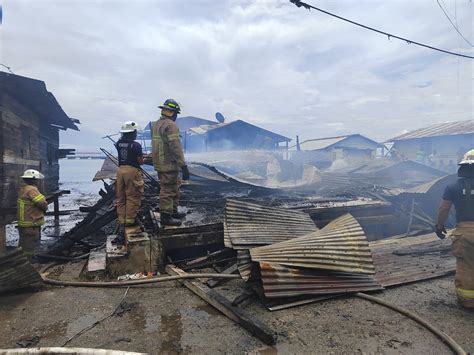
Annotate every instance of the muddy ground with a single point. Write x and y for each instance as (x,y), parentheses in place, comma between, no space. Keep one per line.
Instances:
(168,318)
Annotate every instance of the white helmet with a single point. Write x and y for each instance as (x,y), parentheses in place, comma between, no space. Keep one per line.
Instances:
(32,174)
(130,126)
(468,158)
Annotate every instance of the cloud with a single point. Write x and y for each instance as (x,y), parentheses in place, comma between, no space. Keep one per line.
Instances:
(267,62)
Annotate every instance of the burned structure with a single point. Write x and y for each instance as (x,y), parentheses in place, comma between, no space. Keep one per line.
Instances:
(30,120)
(322,152)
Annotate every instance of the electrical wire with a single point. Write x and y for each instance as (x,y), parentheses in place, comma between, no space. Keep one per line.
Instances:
(299,3)
(453,24)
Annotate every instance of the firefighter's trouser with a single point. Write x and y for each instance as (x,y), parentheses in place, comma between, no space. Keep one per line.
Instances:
(463,250)
(128,192)
(169,191)
(29,239)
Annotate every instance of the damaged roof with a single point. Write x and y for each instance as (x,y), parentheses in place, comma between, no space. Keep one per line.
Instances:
(437,130)
(355,141)
(33,94)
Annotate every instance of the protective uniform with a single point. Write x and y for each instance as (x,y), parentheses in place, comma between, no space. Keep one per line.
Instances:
(129,184)
(31,206)
(168,159)
(461,194)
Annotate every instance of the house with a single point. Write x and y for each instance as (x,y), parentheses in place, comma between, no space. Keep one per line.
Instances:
(441,145)
(214,136)
(30,120)
(187,122)
(235,135)
(322,152)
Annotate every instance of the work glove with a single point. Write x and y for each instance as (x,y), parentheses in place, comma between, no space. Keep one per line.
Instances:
(185,172)
(440,232)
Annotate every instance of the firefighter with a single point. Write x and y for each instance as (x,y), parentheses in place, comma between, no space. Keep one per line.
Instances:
(461,195)
(129,185)
(168,160)
(32,205)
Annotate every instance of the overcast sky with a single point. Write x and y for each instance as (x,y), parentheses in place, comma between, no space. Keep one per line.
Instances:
(266,62)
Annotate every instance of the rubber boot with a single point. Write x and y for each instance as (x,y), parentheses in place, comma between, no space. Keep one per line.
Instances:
(168,220)
(178,215)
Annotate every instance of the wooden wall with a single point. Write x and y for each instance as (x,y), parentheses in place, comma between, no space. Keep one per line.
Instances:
(24,144)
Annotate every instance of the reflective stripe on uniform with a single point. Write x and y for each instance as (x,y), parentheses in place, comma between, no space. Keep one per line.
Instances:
(463,293)
(39,198)
(173,136)
(129,220)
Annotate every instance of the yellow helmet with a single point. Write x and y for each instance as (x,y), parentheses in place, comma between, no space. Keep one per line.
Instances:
(468,158)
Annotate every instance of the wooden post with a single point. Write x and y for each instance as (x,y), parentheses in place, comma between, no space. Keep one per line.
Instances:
(56,207)
(3,238)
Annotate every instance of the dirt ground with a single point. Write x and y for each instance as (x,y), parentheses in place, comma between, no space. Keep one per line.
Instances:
(167,318)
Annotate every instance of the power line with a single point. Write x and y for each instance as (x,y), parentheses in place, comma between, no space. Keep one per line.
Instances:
(299,3)
(8,68)
(452,23)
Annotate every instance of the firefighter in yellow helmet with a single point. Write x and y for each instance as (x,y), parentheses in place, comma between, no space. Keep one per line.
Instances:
(31,206)
(168,160)
(129,185)
(461,195)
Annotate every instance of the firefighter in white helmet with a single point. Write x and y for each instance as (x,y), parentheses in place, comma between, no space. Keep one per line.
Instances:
(461,195)
(129,184)
(31,206)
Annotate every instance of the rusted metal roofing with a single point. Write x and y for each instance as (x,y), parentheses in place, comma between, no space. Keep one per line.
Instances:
(248,225)
(440,129)
(404,260)
(340,246)
(283,281)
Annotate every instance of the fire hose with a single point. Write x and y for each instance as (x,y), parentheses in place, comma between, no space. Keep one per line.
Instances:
(135,282)
(457,349)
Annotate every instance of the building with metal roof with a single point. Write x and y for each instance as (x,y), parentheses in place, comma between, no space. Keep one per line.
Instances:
(440,145)
(201,135)
(235,135)
(323,151)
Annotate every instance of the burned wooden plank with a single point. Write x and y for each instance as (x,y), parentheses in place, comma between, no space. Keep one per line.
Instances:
(179,238)
(241,317)
(233,269)
(92,223)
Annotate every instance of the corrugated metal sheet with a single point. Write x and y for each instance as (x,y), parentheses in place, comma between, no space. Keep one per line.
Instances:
(321,143)
(248,225)
(339,246)
(428,186)
(440,129)
(404,260)
(281,281)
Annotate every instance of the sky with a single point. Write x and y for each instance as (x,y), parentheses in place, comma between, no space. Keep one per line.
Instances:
(286,69)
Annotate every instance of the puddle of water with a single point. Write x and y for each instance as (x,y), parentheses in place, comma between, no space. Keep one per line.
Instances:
(152,323)
(172,331)
(54,330)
